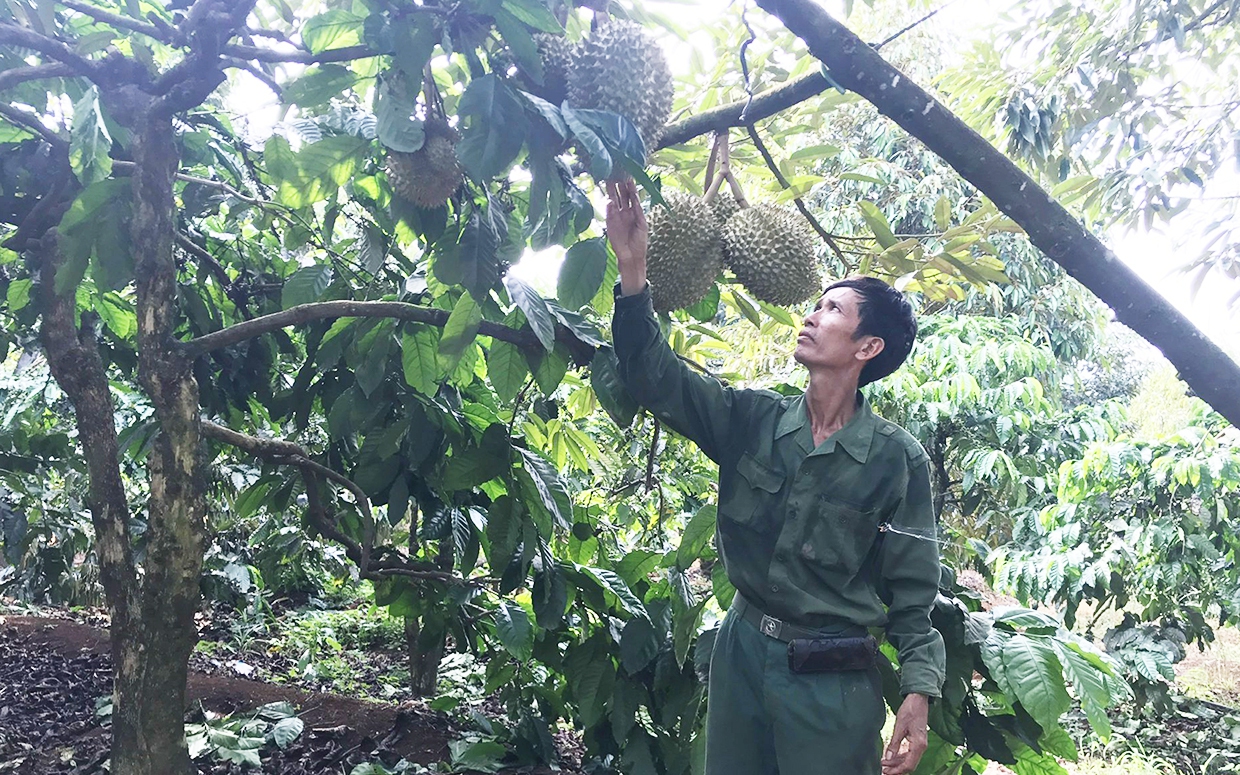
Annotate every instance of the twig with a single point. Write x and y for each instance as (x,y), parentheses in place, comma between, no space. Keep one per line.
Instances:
(14,35)
(650,456)
(215,268)
(128,166)
(265,79)
(116,20)
(259,54)
(32,123)
(770,163)
(516,405)
(912,26)
(763,105)
(14,76)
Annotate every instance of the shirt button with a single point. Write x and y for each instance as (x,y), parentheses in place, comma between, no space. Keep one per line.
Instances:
(774,587)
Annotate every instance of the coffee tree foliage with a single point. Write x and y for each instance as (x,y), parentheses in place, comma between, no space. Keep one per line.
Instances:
(421,418)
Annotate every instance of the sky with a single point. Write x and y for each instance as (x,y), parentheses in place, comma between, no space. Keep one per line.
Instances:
(1156,256)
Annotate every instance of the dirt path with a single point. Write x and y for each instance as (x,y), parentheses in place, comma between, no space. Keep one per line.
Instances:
(52,671)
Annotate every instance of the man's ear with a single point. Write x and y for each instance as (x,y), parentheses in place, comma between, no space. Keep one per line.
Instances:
(870,348)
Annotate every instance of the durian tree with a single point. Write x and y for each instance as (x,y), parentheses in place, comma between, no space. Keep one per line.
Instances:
(330,302)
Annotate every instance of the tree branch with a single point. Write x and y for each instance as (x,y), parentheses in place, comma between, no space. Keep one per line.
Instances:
(764,105)
(17,75)
(259,54)
(31,122)
(116,20)
(13,35)
(770,163)
(262,77)
(326,310)
(1055,231)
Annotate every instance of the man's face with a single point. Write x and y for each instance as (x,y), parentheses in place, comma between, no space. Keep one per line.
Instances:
(826,338)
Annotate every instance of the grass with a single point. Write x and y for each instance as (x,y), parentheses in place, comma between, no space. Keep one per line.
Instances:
(1214,674)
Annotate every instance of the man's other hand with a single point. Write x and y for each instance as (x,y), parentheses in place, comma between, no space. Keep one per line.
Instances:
(908,739)
(628,234)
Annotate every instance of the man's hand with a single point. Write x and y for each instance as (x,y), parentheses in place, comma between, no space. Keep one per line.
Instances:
(908,739)
(628,234)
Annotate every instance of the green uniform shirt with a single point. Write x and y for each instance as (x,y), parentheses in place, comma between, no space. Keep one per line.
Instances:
(797,525)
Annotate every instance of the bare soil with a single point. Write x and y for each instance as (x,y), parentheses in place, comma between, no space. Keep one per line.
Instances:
(52,672)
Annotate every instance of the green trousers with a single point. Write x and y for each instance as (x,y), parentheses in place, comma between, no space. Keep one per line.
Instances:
(763,719)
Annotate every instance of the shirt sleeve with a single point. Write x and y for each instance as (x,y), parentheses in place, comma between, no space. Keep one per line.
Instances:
(909,567)
(695,405)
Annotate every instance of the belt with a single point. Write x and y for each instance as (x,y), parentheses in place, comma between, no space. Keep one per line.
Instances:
(784,631)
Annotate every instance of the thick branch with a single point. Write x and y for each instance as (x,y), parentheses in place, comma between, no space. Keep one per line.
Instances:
(764,105)
(13,35)
(17,75)
(800,203)
(116,20)
(1206,368)
(258,54)
(327,310)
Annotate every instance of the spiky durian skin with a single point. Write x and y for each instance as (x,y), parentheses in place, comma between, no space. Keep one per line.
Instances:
(771,251)
(621,68)
(429,176)
(556,54)
(683,258)
(724,205)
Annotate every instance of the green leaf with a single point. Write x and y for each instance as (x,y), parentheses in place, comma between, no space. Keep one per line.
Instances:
(416,34)
(89,141)
(1030,762)
(685,621)
(116,312)
(534,307)
(419,357)
(605,380)
(617,133)
(514,630)
(878,224)
(496,129)
(474,262)
(394,122)
(1091,688)
(550,489)
(943,213)
(1035,674)
(18,295)
(306,285)
(472,466)
(507,370)
(548,368)
(521,43)
(616,586)
(286,731)
(318,85)
(97,227)
(333,29)
(535,14)
(639,644)
(462,326)
(696,536)
(590,676)
(600,157)
(582,272)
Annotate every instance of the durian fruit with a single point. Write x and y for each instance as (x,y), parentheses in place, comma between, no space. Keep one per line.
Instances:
(429,176)
(556,54)
(724,205)
(771,251)
(621,68)
(683,258)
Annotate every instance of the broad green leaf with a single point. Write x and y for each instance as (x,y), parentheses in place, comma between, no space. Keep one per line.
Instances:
(496,127)
(18,295)
(416,34)
(535,308)
(1091,688)
(286,731)
(318,85)
(601,162)
(396,127)
(461,328)
(95,231)
(89,143)
(1035,674)
(474,465)
(685,622)
(615,131)
(878,224)
(521,43)
(1030,762)
(507,369)
(697,535)
(533,13)
(550,489)
(475,261)
(639,644)
(617,587)
(514,630)
(334,29)
(943,213)
(612,395)
(582,272)
(306,285)
(590,675)
(116,312)
(419,347)
(548,112)
(548,368)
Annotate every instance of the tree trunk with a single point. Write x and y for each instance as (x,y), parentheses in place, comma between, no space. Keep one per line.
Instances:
(1211,373)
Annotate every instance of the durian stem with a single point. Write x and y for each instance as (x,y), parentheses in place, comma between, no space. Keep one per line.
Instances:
(735,185)
(713,191)
(710,163)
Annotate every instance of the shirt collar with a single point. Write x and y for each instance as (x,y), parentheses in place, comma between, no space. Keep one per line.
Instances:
(855,437)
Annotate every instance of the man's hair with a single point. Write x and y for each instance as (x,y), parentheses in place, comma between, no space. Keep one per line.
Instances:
(886,313)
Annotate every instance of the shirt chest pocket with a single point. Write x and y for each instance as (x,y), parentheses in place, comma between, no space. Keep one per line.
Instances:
(839,537)
(754,491)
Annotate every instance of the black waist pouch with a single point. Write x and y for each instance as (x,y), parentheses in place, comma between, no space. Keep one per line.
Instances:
(830,655)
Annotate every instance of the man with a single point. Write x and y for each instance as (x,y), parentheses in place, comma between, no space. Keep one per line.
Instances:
(824,510)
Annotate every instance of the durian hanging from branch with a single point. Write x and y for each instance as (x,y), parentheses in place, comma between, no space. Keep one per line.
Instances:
(430,175)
